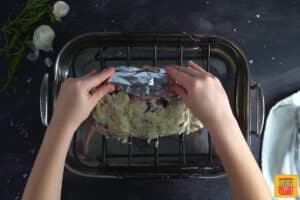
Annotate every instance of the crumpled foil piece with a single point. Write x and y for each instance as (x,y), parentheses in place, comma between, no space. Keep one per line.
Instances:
(146,81)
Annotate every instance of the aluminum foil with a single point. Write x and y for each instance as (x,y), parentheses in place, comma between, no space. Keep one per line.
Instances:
(146,81)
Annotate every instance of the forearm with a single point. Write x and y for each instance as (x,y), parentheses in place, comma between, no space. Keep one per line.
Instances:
(45,179)
(204,94)
(244,176)
(72,106)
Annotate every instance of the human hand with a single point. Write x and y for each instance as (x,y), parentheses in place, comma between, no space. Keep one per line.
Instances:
(202,92)
(75,100)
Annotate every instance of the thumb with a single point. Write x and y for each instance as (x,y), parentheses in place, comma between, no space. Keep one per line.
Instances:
(102,91)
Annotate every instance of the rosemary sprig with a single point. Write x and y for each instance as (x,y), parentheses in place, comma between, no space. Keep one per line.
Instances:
(16,31)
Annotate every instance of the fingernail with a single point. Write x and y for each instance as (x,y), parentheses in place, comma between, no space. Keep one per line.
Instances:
(192,62)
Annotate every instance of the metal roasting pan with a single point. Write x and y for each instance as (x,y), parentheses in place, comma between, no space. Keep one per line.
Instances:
(184,156)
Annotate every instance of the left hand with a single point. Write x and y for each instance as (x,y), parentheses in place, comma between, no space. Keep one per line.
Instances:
(75,102)
(203,93)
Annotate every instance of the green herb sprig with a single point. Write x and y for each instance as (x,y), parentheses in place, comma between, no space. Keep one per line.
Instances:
(16,31)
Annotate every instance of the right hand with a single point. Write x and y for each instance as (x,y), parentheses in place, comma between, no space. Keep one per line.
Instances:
(75,102)
(203,93)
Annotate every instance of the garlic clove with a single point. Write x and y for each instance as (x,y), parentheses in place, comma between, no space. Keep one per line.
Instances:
(43,37)
(60,9)
(33,56)
(48,62)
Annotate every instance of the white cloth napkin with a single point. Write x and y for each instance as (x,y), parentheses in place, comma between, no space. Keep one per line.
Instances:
(281,142)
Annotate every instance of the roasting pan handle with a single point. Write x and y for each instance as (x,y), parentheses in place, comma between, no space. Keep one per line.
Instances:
(44,99)
(260,109)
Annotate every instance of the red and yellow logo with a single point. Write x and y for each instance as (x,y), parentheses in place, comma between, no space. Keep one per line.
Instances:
(285,185)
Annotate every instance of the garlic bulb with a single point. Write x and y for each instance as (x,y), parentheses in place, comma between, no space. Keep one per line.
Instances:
(60,9)
(43,37)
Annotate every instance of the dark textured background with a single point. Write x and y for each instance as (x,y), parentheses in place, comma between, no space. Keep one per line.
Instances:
(267,31)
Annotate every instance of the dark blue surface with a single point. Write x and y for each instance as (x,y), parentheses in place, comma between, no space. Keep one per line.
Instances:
(267,31)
